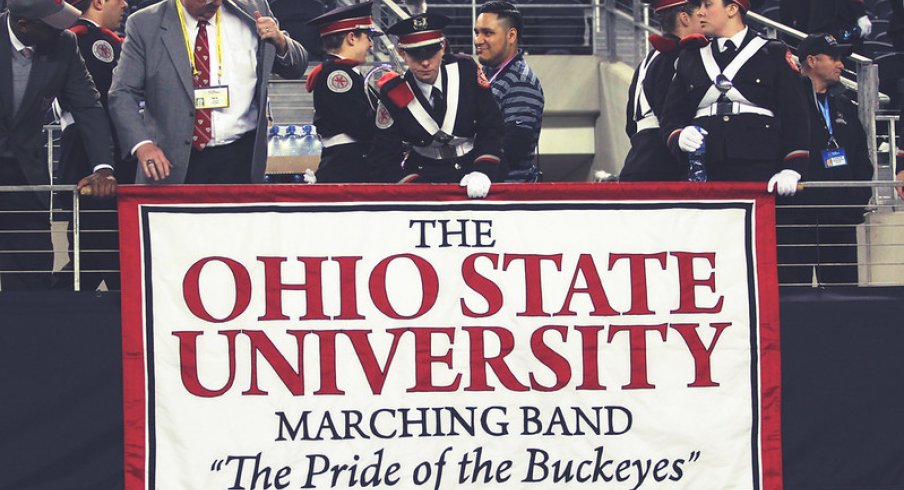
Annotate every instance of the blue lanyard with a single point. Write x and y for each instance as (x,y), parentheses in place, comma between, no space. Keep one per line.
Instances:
(826,115)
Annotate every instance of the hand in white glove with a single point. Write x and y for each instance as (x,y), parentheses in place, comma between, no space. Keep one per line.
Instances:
(784,182)
(866,27)
(691,138)
(478,184)
(310,177)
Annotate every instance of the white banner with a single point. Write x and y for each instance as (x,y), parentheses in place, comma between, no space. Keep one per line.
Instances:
(605,343)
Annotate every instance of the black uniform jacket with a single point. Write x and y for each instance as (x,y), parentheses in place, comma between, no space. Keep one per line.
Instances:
(649,159)
(100,48)
(341,107)
(478,118)
(744,146)
(850,135)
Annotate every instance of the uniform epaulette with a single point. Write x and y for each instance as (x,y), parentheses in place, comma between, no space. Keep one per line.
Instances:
(110,35)
(315,73)
(394,86)
(694,41)
(312,78)
(79,29)
(663,44)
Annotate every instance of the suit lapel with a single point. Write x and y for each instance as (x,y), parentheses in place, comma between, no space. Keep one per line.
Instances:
(43,65)
(6,73)
(174,43)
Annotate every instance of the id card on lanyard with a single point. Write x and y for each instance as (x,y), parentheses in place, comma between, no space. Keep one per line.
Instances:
(214,97)
(834,156)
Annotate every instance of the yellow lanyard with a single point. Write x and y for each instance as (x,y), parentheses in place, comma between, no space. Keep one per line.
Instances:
(191,56)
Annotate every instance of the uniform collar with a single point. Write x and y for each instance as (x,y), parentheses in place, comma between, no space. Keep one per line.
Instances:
(737,39)
(89,21)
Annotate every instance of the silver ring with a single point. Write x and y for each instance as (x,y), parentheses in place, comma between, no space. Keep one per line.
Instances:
(150,162)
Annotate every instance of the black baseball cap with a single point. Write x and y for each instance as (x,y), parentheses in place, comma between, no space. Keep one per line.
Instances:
(821,43)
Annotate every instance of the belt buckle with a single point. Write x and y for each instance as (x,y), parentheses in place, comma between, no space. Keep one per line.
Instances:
(724,108)
(442,137)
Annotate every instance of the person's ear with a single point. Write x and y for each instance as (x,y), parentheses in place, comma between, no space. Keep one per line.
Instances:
(733,13)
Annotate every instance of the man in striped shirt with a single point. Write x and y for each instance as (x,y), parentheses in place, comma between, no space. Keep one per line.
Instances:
(497,33)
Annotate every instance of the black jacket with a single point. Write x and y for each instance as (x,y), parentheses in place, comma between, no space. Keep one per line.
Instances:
(649,159)
(478,118)
(743,146)
(850,135)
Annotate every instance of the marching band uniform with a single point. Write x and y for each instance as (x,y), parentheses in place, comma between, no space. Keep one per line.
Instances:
(649,159)
(100,48)
(760,127)
(456,130)
(342,113)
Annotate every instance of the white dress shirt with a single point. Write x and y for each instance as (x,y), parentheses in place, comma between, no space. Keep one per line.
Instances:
(737,40)
(239,51)
(427,88)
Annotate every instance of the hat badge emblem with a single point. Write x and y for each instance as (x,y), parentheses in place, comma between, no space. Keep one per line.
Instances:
(420,24)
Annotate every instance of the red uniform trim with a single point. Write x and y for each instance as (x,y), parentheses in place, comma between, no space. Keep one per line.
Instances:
(346,25)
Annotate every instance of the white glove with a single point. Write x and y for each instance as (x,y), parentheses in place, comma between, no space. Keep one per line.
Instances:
(866,27)
(784,182)
(691,138)
(478,184)
(310,177)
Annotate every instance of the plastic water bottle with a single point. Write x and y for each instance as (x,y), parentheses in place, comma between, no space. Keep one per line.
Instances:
(292,141)
(274,141)
(311,145)
(696,171)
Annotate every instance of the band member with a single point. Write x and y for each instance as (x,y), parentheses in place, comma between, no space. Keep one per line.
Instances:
(649,159)
(342,113)
(443,109)
(742,93)
(99,46)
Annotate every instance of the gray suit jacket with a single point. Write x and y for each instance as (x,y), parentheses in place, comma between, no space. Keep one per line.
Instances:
(154,67)
(57,71)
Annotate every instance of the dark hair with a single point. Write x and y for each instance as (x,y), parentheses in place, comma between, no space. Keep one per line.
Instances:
(333,42)
(740,9)
(668,18)
(81,5)
(505,11)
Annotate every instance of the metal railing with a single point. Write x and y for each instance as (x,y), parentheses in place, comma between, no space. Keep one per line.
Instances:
(63,248)
(829,244)
(872,254)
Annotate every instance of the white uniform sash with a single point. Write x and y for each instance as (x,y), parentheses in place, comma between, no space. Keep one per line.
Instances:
(712,71)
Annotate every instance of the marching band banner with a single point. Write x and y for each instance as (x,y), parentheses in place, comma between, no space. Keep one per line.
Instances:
(578,335)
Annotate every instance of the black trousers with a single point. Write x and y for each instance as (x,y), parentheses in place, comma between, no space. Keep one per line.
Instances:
(344,164)
(26,252)
(830,247)
(227,164)
(649,160)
